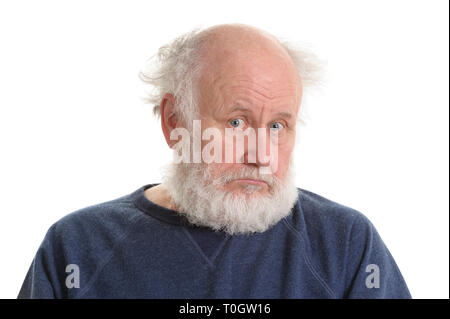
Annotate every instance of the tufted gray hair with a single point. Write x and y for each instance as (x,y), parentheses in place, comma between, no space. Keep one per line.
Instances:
(175,67)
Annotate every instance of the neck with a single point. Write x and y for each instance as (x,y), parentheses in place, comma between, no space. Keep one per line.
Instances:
(160,196)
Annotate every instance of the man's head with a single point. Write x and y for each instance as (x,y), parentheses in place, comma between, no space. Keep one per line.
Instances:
(233,78)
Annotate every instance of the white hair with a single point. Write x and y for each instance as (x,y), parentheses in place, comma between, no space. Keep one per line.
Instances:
(204,202)
(175,67)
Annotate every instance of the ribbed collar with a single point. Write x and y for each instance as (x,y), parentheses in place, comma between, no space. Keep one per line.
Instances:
(157,211)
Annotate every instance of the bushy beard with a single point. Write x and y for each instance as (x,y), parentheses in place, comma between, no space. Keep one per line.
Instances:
(205,202)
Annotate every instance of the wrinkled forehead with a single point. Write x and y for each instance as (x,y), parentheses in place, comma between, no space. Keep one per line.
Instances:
(237,62)
(265,78)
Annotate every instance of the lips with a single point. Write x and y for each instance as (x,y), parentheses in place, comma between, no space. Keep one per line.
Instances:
(251,181)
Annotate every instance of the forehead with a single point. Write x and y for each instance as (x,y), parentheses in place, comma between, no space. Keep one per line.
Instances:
(252,76)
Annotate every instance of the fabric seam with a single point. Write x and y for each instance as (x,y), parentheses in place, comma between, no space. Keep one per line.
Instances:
(209,261)
(108,258)
(308,262)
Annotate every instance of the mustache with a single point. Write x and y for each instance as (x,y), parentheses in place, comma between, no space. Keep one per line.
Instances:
(244,173)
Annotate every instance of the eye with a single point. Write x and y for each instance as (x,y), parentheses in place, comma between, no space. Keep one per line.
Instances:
(276,126)
(236,123)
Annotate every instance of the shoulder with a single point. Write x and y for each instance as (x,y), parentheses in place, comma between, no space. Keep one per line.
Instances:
(86,238)
(320,213)
(334,237)
(340,243)
(101,224)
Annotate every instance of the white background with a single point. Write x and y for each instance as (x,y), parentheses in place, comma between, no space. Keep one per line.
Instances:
(74,130)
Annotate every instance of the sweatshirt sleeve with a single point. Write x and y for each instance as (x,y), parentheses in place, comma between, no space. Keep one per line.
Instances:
(372,271)
(42,280)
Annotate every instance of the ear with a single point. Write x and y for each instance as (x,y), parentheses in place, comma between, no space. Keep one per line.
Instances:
(169,119)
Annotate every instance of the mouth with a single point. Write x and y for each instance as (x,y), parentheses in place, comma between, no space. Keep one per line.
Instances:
(251,181)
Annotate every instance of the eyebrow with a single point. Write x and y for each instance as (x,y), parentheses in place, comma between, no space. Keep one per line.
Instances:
(241,108)
(284,114)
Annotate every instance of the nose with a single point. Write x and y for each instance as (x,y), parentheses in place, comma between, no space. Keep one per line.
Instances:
(256,150)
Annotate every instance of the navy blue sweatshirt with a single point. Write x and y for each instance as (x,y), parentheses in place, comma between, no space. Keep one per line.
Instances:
(132,248)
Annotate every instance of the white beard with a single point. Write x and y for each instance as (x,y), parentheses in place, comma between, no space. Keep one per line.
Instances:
(205,203)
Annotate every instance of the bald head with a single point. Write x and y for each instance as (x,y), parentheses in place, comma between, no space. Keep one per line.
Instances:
(238,37)
(239,46)
(224,49)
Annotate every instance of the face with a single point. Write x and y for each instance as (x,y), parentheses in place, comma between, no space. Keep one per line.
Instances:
(251,90)
(237,90)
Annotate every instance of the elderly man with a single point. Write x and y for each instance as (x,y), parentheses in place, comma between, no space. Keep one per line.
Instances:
(227,221)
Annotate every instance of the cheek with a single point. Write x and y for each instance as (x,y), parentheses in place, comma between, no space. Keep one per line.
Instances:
(284,158)
(282,170)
